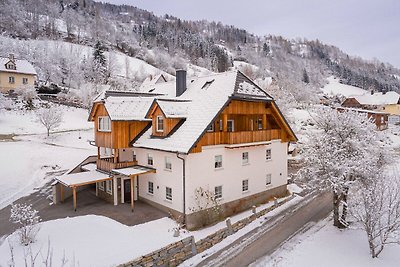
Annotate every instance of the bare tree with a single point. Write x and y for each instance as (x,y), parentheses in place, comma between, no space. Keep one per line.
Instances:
(27,217)
(207,204)
(50,118)
(376,206)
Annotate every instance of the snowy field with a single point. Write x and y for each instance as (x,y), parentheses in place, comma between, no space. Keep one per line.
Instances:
(325,245)
(28,162)
(336,88)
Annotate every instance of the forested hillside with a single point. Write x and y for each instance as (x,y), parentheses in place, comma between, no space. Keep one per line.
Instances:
(167,43)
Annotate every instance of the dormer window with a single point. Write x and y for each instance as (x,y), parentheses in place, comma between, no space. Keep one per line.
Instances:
(104,124)
(210,128)
(160,124)
(10,66)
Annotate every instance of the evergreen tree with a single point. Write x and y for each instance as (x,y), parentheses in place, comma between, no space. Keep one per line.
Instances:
(305,78)
(99,64)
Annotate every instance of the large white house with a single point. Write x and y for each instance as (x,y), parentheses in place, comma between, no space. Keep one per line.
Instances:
(201,148)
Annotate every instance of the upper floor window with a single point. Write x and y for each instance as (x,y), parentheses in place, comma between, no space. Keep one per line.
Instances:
(268,155)
(218,162)
(245,157)
(168,164)
(160,124)
(210,128)
(231,125)
(11,66)
(133,155)
(150,159)
(104,124)
(221,125)
(259,124)
(11,79)
(25,80)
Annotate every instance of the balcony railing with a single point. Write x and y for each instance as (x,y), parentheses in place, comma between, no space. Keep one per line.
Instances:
(107,164)
(217,138)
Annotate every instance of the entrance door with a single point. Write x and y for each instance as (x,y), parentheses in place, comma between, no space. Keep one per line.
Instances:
(127,191)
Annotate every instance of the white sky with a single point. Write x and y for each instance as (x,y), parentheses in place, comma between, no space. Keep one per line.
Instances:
(366,28)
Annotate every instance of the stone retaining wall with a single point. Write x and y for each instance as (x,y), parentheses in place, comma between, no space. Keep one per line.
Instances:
(178,252)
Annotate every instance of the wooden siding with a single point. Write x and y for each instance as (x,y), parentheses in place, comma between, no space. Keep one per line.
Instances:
(246,115)
(169,124)
(107,164)
(122,132)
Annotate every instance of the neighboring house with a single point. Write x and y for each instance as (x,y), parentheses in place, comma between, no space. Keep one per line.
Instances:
(381,119)
(388,102)
(220,133)
(15,73)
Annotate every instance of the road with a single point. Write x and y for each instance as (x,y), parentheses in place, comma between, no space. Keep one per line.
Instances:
(266,239)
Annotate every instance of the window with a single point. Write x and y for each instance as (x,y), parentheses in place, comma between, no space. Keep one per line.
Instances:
(245,157)
(25,80)
(101,186)
(210,128)
(150,159)
(11,79)
(245,185)
(106,152)
(168,164)
(268,180)
(218,192)
(160,124)
(109,187)
(104,124)
(221,126)
(10,66)
(168,193)
(133,156)
(218,162)
(260,124)
(231,125)
(268,154)
(150,188)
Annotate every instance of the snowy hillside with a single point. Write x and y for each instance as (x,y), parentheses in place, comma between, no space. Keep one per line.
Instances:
(334,87)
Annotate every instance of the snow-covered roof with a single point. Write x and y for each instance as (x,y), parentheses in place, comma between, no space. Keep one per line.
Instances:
(127,108)
(173,108)
(203,99)
(388,98)
(135,170)
(22,66)
(82,178)
(151,81)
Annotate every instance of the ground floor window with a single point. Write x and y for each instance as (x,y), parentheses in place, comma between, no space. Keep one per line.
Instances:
(218,192)
(168,193)
(109,187)
(245,185)
(268,179)
(150,188)
(25,80)
(101,186)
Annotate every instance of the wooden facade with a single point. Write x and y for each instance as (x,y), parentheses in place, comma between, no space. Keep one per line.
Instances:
(252,122)
(169,123)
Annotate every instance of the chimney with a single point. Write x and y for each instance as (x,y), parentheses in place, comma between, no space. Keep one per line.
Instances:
(11,57)
(372,92)
(180,82)
(384,91)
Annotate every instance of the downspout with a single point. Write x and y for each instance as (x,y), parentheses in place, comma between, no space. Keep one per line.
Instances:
(183,185)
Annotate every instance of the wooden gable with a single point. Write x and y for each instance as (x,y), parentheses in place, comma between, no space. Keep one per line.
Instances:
(169,124)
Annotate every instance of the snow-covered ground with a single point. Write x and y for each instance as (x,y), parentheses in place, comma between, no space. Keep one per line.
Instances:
(336,88)
(325,245)
(27,162)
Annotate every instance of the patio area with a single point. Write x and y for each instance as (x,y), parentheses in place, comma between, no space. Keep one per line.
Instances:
(88,204)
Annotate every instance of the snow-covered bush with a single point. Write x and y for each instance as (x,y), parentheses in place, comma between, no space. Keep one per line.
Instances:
(5,103)
(28,219)
(376,206)
(50,118)
(28,94)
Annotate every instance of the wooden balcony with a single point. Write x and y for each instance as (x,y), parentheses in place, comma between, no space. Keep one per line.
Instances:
(107,164)
(216,138)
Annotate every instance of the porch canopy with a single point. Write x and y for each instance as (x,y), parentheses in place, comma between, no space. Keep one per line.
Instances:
(74,180)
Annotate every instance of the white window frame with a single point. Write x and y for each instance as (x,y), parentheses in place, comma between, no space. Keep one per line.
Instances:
(245,160)
(24,80)
(259,124)
(159,121)
(150,157)
(109,185)
(210,128)
(268,179)
(168,193)
(217,161)
(245,185)
(221,126)
(150,188)
(268,154)
(233,125)
(104,124)
(11,79)
(101,185)
(168,163)
(218,192)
